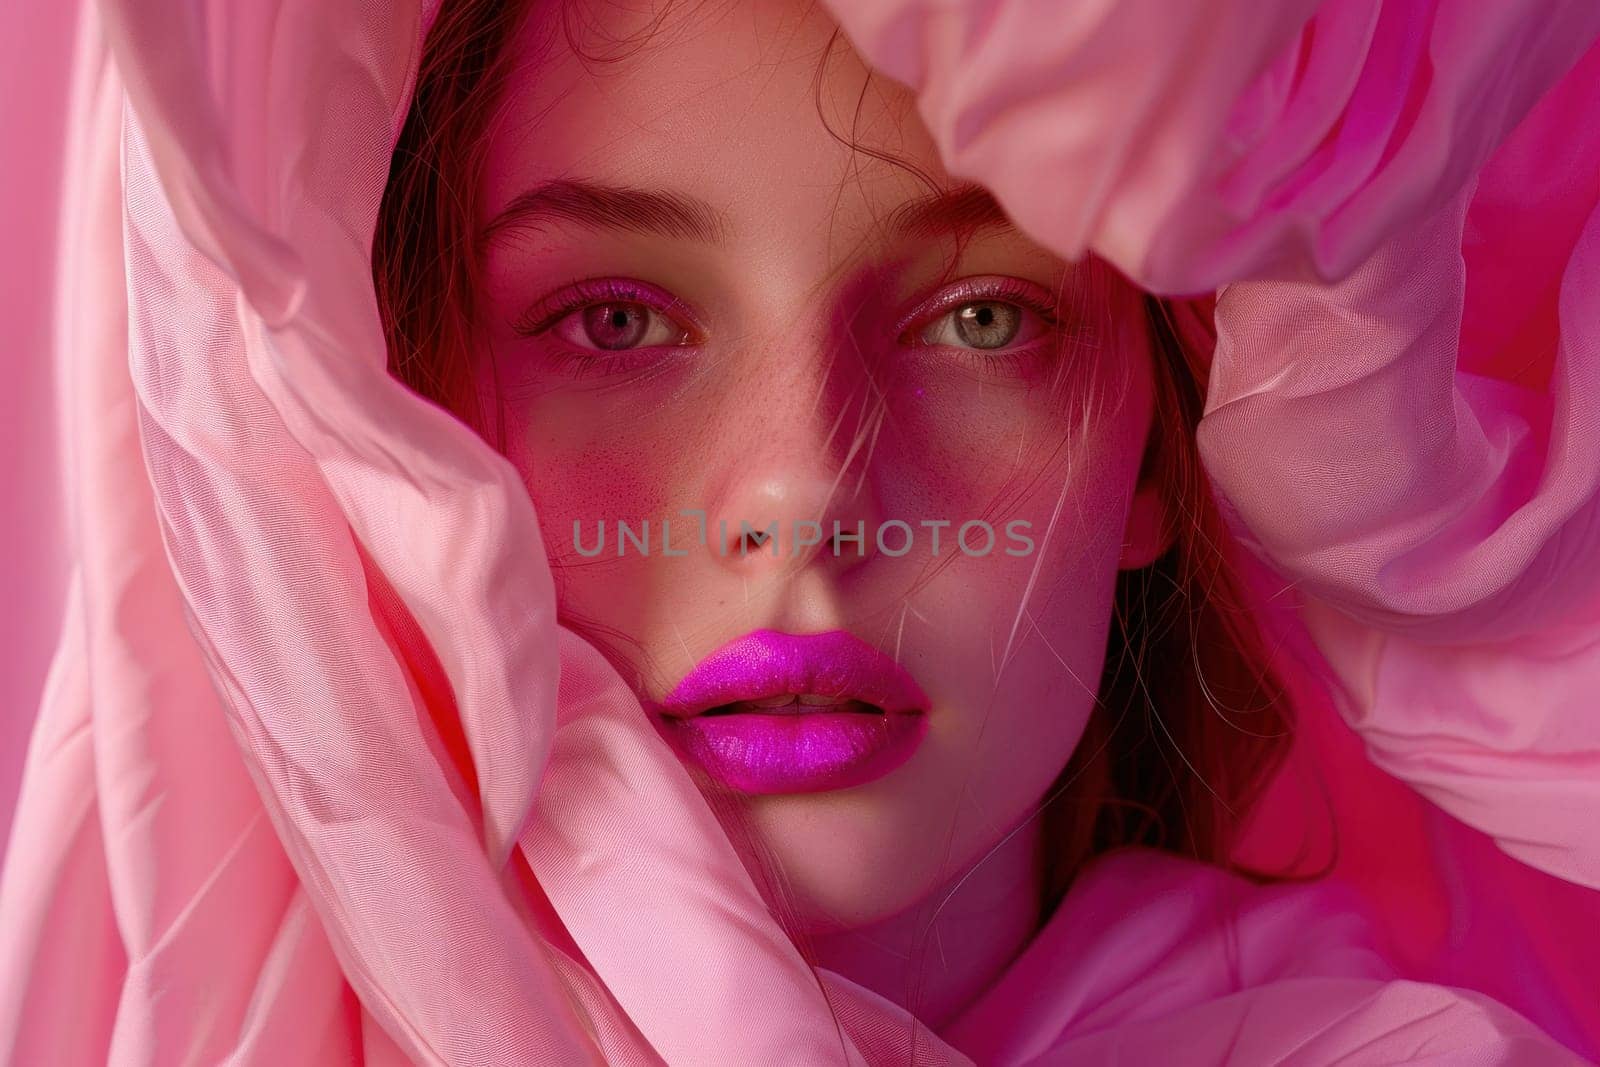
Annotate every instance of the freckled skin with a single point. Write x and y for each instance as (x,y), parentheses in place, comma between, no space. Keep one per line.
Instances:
(801,403)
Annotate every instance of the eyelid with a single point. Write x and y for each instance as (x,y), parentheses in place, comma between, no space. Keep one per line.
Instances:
(584,292)
(976,290)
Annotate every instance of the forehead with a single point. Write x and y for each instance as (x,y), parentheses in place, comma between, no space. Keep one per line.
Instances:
(758,105)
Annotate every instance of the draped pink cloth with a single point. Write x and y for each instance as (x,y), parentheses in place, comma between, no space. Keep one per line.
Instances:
(240,838)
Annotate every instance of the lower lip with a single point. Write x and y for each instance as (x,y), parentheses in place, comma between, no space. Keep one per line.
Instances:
(809,752)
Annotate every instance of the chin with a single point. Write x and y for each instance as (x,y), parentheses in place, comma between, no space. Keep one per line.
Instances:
(854,857)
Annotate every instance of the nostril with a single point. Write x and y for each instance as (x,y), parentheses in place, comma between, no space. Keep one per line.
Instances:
(753,540)
(857,538)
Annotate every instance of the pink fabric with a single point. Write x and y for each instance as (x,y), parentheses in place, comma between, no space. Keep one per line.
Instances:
(243,836)
(1193,143)
(35,45)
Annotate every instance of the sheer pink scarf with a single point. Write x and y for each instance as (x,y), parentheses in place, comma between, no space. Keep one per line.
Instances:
(240,838)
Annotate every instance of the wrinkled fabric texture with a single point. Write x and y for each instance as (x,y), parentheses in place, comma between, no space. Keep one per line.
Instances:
(243,838)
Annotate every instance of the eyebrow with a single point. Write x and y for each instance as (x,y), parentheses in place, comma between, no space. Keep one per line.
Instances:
(600,206)
(965,208)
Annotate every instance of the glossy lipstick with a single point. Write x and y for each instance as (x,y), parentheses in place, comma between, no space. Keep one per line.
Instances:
(795,713)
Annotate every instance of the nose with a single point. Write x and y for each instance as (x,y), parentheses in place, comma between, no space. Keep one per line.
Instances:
(799,490)
(781,518)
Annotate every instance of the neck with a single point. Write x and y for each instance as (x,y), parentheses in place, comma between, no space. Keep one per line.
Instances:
(936,958)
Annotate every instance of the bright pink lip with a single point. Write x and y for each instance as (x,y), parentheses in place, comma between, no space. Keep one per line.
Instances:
(862,715)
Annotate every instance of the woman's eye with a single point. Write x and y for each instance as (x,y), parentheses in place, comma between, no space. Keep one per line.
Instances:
(981,324)
(984,314)
(618,325)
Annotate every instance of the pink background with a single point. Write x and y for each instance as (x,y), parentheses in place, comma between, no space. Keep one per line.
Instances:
(34,36)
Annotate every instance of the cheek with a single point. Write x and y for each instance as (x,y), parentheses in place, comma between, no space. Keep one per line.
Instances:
(1019,644)
(583,473)
(1017,652)
(578,469)
(970,440)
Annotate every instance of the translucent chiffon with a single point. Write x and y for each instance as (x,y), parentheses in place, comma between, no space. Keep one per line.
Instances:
(246,833)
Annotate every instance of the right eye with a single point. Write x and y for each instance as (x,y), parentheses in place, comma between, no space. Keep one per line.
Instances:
(611,315)
(618,325)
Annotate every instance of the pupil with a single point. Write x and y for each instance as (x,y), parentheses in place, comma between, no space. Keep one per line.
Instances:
(616,326)
(991,324)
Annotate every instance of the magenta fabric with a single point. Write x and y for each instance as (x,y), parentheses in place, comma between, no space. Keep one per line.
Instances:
(241,837)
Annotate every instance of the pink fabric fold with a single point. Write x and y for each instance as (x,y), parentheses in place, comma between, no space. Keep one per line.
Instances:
(1201,142)
(1211,969)
(1445,526)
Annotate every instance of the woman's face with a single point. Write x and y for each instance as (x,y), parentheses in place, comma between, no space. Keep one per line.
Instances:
(701,300)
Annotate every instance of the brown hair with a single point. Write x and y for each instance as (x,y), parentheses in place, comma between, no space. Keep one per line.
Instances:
(1191,718)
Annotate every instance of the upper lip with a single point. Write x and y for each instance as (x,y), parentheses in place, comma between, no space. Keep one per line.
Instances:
(767,663)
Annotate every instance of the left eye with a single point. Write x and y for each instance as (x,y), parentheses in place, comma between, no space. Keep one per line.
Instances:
(616,325)
(983,325)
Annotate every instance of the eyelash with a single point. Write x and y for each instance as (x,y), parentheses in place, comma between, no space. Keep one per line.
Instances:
(586,292)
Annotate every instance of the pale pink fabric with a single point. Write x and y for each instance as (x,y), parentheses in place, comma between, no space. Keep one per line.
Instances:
(243,836)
